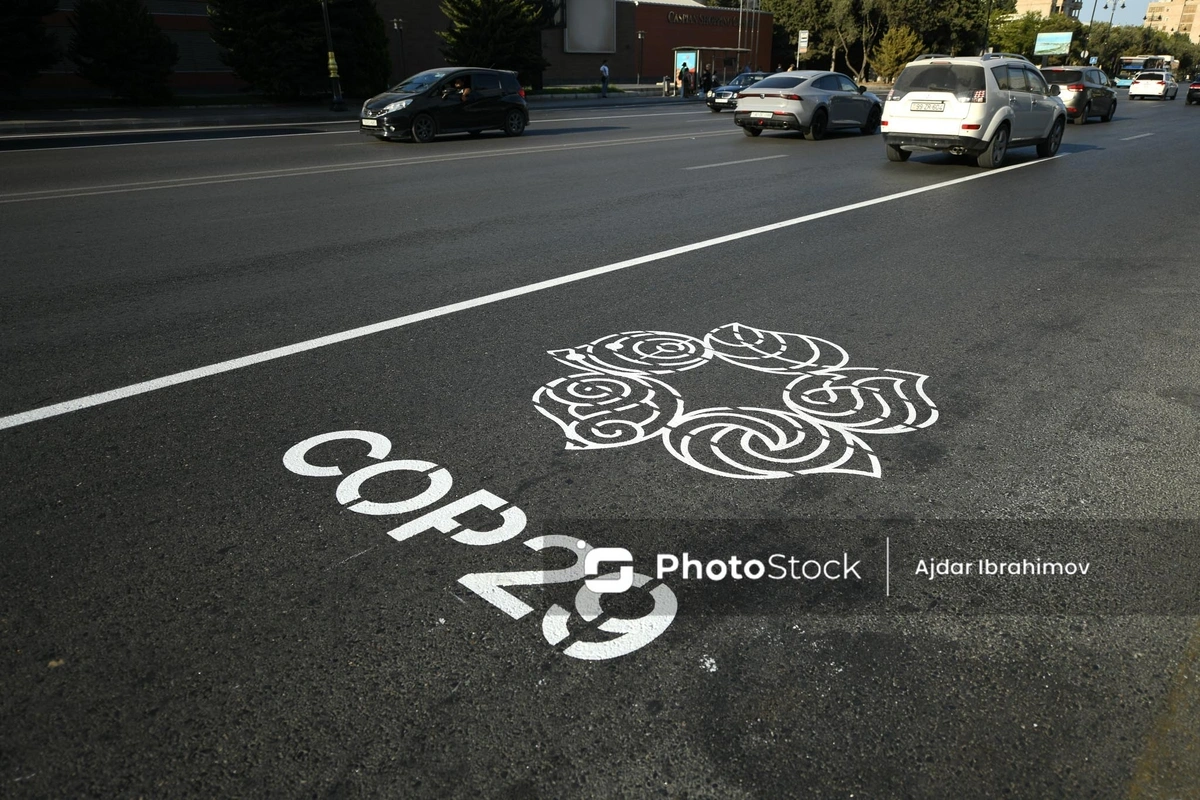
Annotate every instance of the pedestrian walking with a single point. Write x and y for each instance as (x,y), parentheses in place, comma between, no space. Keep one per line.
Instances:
(604,78)
(683,80)
(706,80)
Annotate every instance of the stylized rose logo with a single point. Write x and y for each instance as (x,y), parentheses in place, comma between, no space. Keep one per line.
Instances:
(826,407)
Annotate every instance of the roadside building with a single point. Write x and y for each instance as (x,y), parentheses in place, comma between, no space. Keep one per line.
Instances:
(1050,7)
(639,39)
(1174,16)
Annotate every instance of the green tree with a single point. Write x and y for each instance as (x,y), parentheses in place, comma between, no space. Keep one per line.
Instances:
(279,47)
(503,34)
(898,46)
(856,22)
(116,45)
(26,48)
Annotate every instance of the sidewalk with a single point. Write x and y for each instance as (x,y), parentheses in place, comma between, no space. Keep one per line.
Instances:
(92,120)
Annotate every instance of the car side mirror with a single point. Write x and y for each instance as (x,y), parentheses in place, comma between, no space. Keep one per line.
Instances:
(1055,91)
(862,89)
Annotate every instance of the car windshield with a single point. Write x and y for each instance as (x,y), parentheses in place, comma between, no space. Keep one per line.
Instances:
(779,82)
(419,82)
(1063,76)
(747,79)
(953,78)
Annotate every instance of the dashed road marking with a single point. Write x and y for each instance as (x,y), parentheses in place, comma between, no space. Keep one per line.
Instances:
(741,161)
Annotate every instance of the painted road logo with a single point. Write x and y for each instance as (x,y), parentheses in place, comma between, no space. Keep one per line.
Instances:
(618,397)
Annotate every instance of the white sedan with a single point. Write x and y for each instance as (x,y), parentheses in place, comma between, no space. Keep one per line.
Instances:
(1153,84)
(808,101)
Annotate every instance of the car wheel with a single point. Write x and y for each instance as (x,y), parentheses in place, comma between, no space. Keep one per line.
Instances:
(895,153)
(1083,118)
(1112,112)
(751,131)
(1050,146)
(423,129)
(816,129)
(996,151)
(873,118)
(514,123)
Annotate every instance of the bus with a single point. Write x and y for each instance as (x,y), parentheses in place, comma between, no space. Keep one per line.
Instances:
(1132,65)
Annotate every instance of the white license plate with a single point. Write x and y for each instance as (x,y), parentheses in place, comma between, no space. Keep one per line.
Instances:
(936,105)
(370,123)
(761,114)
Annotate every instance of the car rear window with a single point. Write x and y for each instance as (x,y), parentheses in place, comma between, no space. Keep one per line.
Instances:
(1149,76)
(1063,75)
(778,82)
(957,79)
(510,83)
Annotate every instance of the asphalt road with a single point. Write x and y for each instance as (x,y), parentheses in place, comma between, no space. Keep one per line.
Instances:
(763,346)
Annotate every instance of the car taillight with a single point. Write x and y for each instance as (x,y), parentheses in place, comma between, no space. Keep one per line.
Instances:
(970,127)
(1075,87)
(979,96)
(792,97)
(522,92)
(1195,85)
(1161,83)
(883,123)
(894,95)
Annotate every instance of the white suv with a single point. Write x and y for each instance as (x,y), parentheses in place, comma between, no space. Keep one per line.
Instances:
(972,106)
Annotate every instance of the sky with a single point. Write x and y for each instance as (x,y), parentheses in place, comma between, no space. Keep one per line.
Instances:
(1130,15)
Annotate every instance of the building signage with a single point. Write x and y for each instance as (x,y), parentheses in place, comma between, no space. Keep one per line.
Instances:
(677,18)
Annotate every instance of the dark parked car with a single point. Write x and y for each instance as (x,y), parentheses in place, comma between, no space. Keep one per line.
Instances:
(724,97)
(450,100)
(1085,91)
(1193,95)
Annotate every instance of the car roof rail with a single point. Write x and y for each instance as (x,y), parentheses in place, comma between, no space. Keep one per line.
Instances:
(1007,55)
(927,56)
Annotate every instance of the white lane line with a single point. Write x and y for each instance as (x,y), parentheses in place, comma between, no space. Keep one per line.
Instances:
(239,177)
(1139,136)
(539,120)
(25,417)
(173,129)
(731,163)
(206,139)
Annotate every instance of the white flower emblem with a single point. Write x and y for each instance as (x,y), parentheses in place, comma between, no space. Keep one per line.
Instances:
(827,406)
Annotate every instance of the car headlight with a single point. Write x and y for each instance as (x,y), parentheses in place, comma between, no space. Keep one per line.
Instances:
(396,106)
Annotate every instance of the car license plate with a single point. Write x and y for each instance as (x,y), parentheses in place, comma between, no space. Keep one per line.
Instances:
(761,114)
(933,105)
(370,123)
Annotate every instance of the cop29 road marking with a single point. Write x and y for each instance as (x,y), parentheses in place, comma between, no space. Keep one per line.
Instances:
(1139,136)
(741,161)
(240,177)
(187,376)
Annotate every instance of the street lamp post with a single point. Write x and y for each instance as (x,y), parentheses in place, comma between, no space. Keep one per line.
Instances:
(1108,33)
(641,54)
(338,103)
(398,26)
(987,24)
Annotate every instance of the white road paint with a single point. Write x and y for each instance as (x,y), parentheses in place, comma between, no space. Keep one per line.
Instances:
(258,175)
(172,129)
(187,376)
(826,407)
(205,139)
(731,163)
(534,122)
(1139,136)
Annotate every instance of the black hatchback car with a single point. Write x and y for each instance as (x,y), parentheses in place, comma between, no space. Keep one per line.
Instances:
(449,100)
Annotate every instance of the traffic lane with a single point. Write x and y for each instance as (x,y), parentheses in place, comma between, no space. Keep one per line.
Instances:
(156,287)
(49,163)
(180,482)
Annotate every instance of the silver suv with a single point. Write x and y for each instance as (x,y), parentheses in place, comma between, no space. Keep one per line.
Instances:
(977,106)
